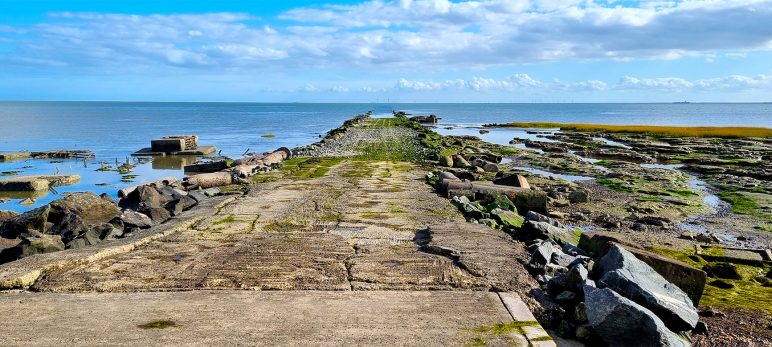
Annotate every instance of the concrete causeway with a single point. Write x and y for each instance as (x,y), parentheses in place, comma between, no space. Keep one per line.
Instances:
(333,252)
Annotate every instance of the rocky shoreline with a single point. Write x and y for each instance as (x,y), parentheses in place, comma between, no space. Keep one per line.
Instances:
(597,261)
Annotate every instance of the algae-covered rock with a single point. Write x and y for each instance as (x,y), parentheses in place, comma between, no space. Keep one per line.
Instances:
(508,219)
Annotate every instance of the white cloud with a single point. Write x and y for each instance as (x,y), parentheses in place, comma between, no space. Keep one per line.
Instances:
(406,35)
(732,82)
(514,82)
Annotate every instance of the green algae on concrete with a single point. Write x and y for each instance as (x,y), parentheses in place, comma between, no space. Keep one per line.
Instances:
(749,292)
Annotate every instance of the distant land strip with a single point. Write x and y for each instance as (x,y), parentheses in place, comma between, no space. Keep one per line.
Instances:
(649,129)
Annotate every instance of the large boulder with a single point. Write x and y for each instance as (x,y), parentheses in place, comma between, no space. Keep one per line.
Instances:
(621,322)
(29,222)
(542,230)
(89,207)
(621,271)
(134,219)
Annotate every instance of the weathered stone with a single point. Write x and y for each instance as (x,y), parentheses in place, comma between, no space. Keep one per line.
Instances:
(542,256)
(541,230)
(621,322)
(580,195)
(7,215)
(36,220)
(158,214)
(637,281)
(499,201)
(580,313)
(691,280)
(133,218)
(508,219)
(566,297)
(91,208)
(583,332)
(538,217)
(28,246)
(706,238)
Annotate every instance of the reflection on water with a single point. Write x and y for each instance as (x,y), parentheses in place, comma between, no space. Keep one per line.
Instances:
(570,178)
(611,143)
(499,136)
(173,162)
(91,180)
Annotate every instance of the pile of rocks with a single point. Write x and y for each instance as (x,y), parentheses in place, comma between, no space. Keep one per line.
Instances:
(84,219)
(615,298)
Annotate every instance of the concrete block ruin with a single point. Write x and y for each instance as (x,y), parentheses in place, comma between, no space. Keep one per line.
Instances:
(175,145)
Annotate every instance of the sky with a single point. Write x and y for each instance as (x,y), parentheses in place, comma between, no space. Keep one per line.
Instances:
(387,51)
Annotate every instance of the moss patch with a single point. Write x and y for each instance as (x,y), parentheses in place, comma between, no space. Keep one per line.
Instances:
(615,184)
(747,292)
(227,219)
(159,324)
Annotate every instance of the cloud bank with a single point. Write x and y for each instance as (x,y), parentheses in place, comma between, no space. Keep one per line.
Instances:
(404,34)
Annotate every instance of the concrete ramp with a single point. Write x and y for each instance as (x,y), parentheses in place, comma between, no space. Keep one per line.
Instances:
(276,318)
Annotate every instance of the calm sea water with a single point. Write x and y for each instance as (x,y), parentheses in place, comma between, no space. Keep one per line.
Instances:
(113,130)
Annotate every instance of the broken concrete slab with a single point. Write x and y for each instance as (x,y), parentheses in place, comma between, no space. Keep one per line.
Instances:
(36,183)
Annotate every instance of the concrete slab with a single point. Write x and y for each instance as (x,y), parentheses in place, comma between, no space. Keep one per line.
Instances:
(205,318)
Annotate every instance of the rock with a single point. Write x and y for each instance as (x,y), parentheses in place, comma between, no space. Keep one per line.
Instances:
(500,201)
(706,238)
(711,312)
(566,329)
(541,230)
(42,244)
(542,256)
(580,195)
(158,214)
(573,250)
(565,260)
(637,281)
(22,225)
(701,329)
(133,218)
(687,235)
(572,280)
(621,322)
(508,219)
(580,313)
(483,131)
(538,217)
(607,221)
(7,215)
(89,207)
(566,298)
(722,270)
(689,279)
(583,332)
(490,167)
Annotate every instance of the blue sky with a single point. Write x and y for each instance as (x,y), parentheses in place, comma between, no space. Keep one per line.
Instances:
(387,51)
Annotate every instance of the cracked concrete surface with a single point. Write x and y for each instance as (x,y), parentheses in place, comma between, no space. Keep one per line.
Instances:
(380,230)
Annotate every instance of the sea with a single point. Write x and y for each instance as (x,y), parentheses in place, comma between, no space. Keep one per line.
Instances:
(114,130)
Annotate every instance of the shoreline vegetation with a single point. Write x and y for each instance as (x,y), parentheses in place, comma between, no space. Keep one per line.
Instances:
(682,131)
